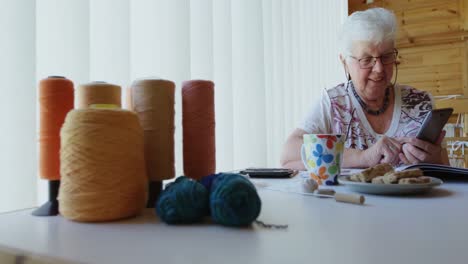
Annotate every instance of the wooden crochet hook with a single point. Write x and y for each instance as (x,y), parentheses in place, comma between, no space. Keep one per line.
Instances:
(310,187)
(342,197)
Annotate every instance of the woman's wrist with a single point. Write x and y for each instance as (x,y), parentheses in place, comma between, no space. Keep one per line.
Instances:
(366,157)
(355,158)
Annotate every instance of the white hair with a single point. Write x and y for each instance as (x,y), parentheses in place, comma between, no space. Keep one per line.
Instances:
(375,25)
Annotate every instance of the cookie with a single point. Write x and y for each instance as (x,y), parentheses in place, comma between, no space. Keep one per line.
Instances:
(390,178)
(378,180)
(368,174)
(417,180)
(413,173)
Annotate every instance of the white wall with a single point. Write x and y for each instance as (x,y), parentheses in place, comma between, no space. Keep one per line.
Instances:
(248,81)
(109,41)
(18,169)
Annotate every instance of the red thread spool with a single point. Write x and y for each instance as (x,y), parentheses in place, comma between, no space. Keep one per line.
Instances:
(55,101)
(198,122)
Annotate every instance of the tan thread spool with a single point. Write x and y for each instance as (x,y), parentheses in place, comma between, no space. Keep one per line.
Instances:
(153,102)
(102,165)
(98,93)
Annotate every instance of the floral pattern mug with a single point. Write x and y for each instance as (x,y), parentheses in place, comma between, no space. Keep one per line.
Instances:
(322,155)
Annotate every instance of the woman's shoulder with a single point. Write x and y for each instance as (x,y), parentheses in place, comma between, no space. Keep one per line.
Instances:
(337,91)
(412,96)
(407,90)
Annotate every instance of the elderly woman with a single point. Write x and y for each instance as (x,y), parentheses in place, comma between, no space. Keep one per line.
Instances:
(379,117)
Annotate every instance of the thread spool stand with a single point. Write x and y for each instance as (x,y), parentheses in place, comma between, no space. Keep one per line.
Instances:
(154,190)
(50,208)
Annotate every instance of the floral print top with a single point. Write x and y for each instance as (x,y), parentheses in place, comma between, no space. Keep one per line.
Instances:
(339,112)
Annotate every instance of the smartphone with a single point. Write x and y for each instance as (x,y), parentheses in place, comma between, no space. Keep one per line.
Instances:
(268,172)
(433,124)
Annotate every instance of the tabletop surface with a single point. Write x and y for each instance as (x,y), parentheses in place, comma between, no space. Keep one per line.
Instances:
(426,228)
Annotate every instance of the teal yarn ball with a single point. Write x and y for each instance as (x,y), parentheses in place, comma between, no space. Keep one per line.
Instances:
(184,201)
(234,201)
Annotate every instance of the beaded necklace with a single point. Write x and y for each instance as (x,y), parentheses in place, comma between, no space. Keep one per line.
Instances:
(367,109)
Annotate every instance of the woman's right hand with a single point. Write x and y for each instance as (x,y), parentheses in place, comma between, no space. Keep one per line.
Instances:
(385,150)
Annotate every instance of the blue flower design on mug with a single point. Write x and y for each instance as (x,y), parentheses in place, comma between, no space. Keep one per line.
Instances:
(320,156)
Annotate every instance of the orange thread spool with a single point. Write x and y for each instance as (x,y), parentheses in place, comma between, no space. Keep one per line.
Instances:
(198,121)
(55,101)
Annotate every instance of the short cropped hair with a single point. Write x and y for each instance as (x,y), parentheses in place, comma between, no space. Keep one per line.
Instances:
(374,25)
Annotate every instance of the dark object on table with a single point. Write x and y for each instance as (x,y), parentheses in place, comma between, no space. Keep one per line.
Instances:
(269,172)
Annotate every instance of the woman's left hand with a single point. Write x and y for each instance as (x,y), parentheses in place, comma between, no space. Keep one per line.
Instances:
(417,151)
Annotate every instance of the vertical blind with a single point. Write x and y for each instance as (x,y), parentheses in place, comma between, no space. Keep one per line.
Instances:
(268,59)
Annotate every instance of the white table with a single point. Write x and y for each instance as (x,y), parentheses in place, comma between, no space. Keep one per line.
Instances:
(431,228)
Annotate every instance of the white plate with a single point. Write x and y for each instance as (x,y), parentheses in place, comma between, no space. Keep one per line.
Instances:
(372,188)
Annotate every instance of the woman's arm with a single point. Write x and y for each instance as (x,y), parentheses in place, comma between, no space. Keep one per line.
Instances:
(291,154)
(385,150)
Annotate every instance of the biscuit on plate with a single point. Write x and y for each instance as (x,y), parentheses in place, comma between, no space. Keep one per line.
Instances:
(378,180)
(368,174)
(408,173)
(390,178)
(416,180)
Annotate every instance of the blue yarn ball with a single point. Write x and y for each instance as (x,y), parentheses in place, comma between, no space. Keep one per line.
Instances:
(234,201)
(207,181)
(184,201)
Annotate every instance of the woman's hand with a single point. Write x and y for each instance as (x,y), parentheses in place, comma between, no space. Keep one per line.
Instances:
(417,151)
(385,150)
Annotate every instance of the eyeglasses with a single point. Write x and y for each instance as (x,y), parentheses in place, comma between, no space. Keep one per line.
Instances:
(369,61)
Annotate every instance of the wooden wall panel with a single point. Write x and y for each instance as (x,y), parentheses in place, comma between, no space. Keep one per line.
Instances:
(464,57)
(464,14)
(398,5)
(458,105)
(438,69)
(435,13)
(420,19)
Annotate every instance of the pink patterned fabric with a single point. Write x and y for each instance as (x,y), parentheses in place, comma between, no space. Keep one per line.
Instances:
(411,106)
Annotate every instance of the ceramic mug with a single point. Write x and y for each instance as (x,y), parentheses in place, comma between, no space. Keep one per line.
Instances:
(322,155)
